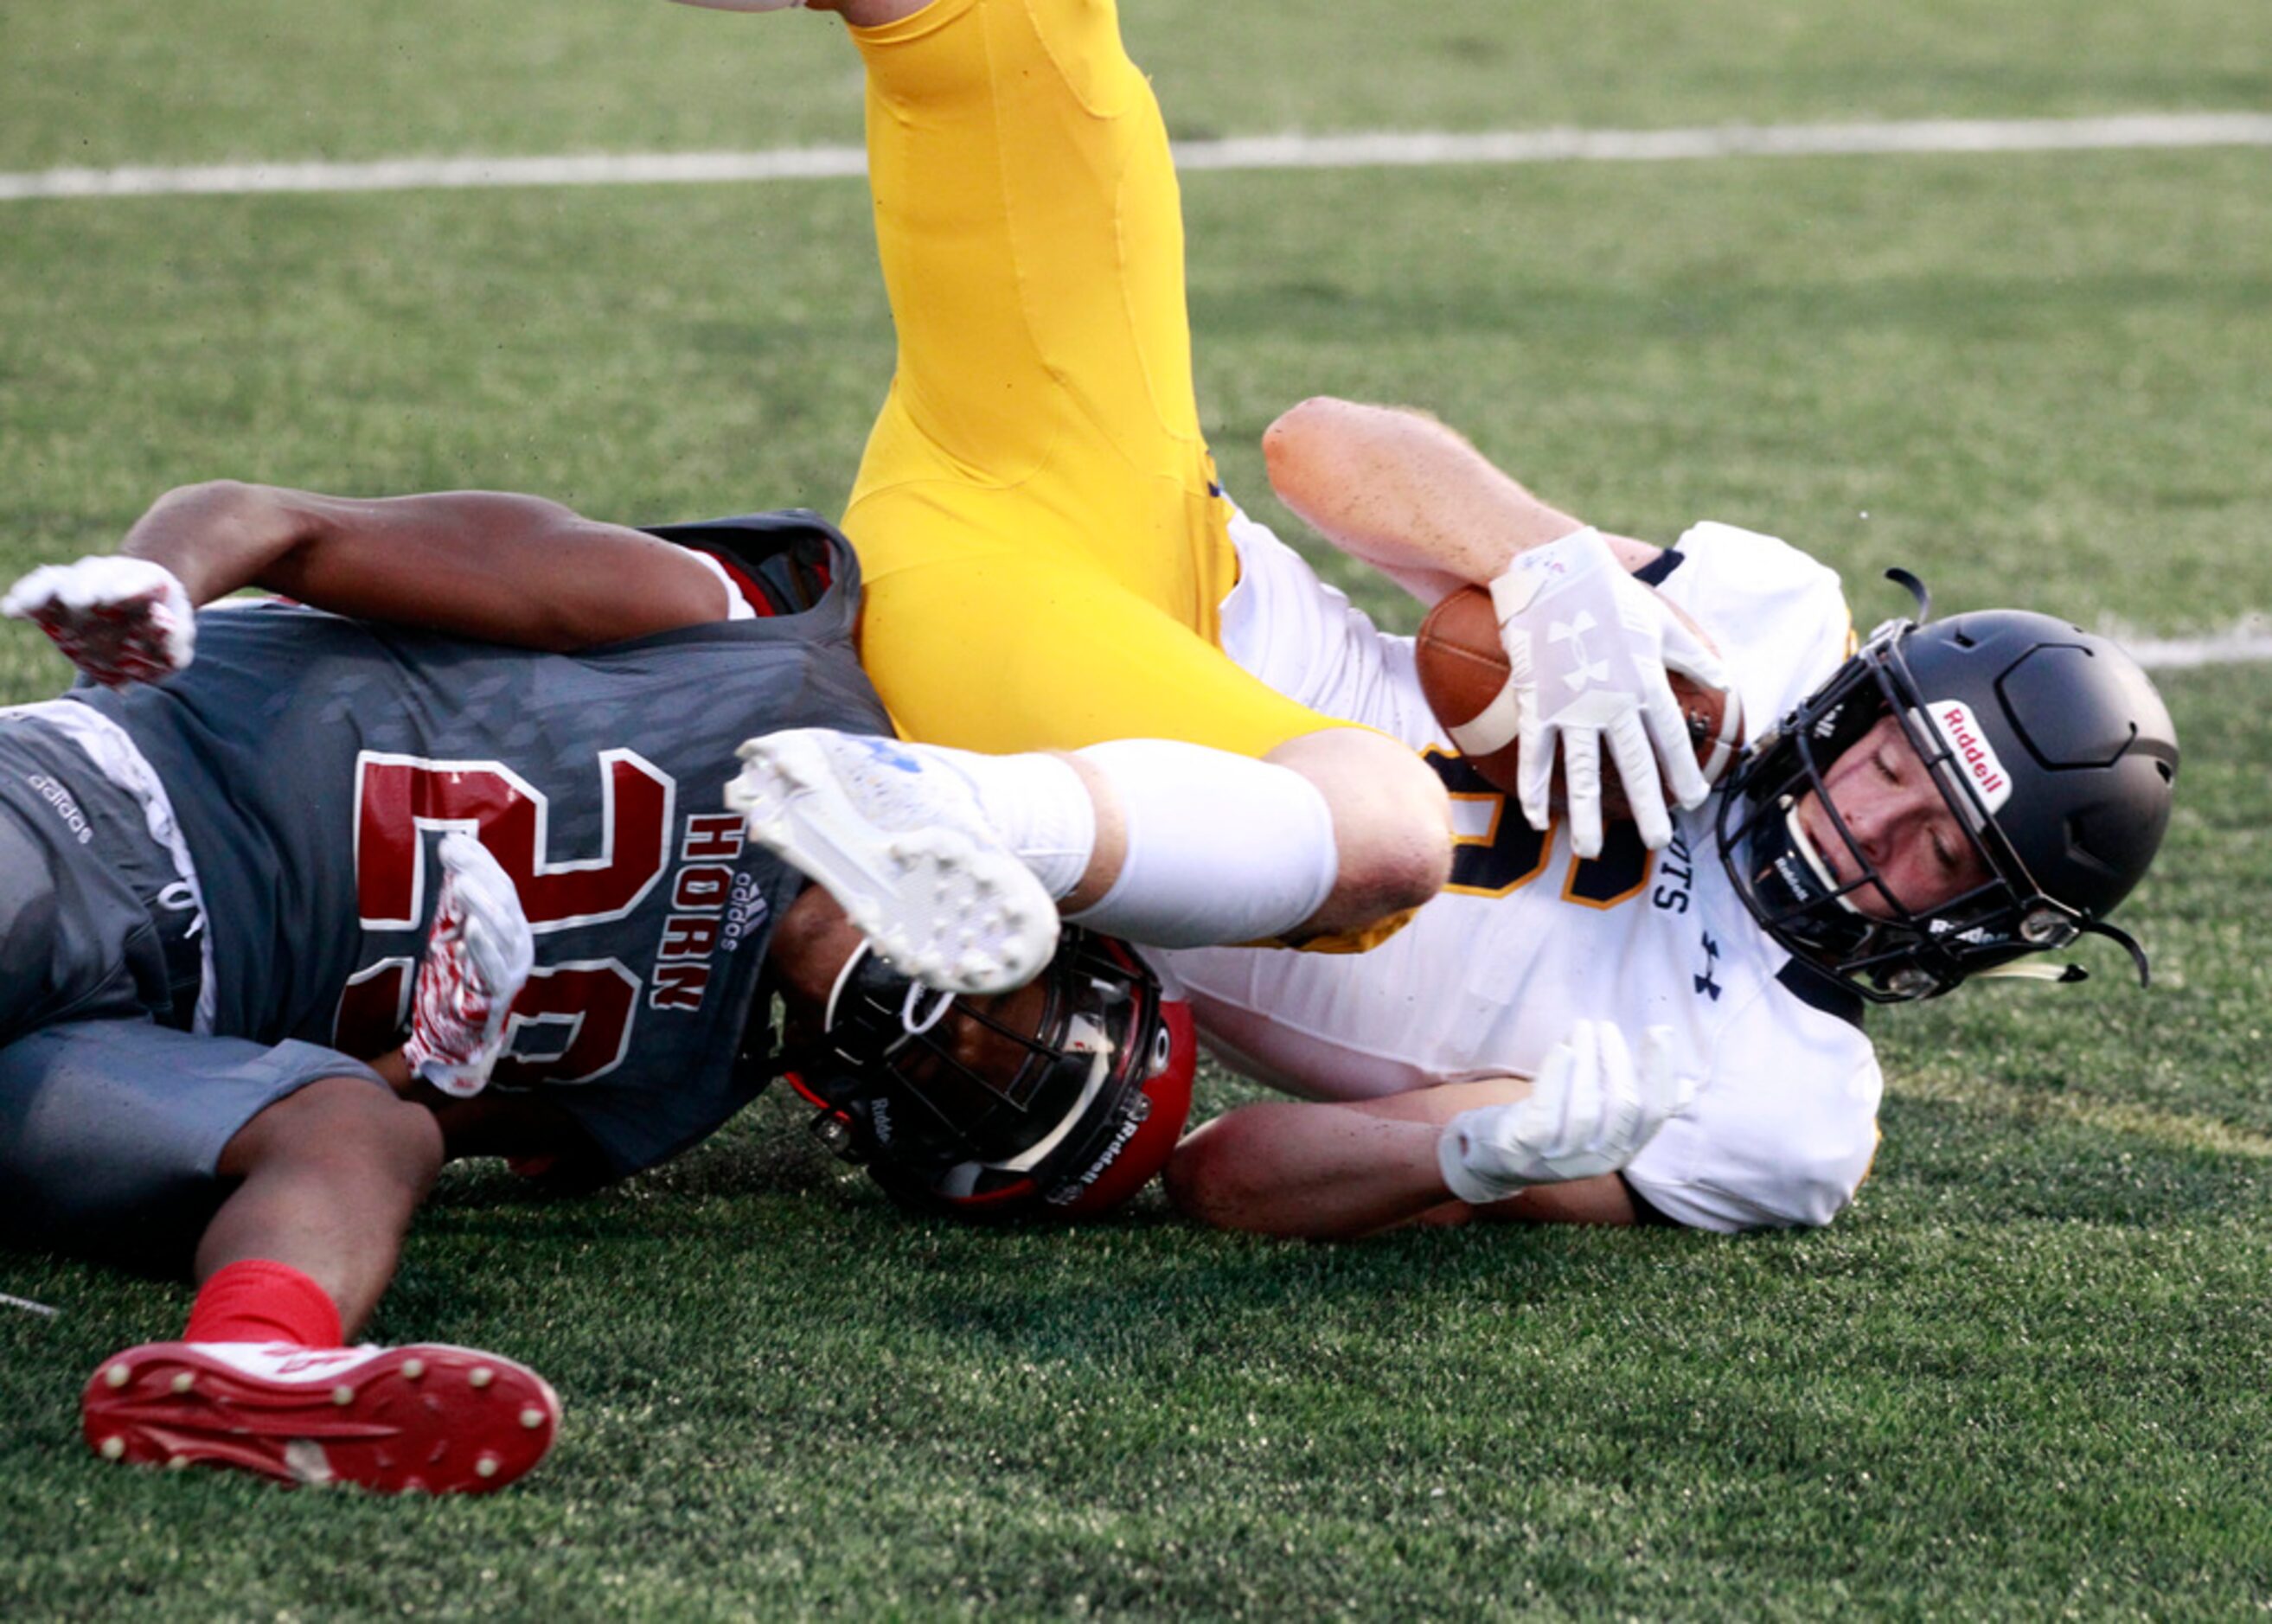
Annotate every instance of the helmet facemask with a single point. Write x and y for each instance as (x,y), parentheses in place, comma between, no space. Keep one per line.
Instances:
(1006,1105)
(1793,893)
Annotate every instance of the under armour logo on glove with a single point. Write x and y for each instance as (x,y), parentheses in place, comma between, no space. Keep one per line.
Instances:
(477,960)
(119,619)
(1587,649)
(1573,633)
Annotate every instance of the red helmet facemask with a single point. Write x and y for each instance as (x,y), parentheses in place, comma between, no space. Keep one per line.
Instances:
(1060,1098)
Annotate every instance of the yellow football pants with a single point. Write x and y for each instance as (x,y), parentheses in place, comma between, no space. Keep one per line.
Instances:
(1036,519)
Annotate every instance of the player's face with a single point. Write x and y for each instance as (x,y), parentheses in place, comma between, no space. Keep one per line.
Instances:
(1891,806)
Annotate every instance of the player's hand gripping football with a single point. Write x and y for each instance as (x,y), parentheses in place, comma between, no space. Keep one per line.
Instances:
(1590,1112)
(1588,648)
(477,960)
(120,620)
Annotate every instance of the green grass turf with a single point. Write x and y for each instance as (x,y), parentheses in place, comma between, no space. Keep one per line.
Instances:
(2026,1375)
(112,82)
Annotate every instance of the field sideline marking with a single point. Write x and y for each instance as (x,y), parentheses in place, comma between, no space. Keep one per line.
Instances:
(2248,641)
(1280,152)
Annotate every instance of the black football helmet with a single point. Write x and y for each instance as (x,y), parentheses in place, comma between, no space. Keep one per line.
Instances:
(1060,1098)
(2049,744)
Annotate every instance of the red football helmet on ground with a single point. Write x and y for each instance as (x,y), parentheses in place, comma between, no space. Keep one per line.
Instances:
(1061,1098)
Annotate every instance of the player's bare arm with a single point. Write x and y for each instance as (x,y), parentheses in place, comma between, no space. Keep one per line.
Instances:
(1409,496)
(1318,1170)
(1588,647)
(507,568)
(1544,1149)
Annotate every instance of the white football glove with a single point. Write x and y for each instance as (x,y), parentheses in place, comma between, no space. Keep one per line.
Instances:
(1590,1112)
(1588,648)
(120,620)
(477,961)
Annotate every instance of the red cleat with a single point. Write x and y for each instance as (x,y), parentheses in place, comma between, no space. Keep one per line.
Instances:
(428,1417)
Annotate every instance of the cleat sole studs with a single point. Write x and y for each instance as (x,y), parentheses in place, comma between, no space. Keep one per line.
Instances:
(343,1395)
(485,1467)
(413,1368)
(481,1375)
(183,1381)
(117,1375)
(114,1449)
(177,1463)
(532,1417)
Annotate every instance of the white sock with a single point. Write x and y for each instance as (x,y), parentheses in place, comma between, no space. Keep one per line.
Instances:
(1222,848)
(1037,805)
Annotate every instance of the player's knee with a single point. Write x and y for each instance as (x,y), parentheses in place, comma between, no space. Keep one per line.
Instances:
(1393,864)
(1392,822)
(346,1131)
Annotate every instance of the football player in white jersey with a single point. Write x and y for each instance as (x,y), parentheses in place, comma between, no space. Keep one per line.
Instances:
(1950,797)
(1053,566)
(1636,1035)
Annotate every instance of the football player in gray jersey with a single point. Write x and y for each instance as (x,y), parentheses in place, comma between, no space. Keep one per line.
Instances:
(257,981)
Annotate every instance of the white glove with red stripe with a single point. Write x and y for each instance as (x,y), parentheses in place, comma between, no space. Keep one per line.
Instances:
(120,620)
(477,961)
(1588,648)
(1590,1112)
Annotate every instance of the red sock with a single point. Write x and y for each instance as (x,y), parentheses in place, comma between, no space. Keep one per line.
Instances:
(259,1301)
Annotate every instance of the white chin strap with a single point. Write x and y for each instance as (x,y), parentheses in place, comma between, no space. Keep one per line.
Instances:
(915,1020)
(843,980)
(1086,1038)
(2032,970)
(1812,858)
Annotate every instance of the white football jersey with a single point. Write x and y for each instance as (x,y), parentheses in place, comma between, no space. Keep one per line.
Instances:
(1528,938)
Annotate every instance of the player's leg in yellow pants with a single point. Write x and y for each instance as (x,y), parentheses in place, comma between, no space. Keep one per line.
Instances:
(1042,543)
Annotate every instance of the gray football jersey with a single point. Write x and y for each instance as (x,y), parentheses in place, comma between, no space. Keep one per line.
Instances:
(314,763)
(93,924)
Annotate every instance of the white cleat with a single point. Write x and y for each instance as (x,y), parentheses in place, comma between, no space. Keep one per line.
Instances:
(897,838)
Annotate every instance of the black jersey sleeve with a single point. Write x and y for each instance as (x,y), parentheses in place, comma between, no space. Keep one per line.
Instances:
(790,561)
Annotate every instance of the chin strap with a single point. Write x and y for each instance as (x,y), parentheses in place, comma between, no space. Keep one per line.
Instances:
(2137,954)
(878,980)
(1916,588)
(853,1030)
(2024,969)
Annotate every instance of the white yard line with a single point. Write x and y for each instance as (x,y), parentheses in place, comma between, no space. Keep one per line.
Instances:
(2247,641)
(1937,135)
(1282,152)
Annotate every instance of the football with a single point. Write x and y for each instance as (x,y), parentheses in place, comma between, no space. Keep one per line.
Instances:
(1463,672)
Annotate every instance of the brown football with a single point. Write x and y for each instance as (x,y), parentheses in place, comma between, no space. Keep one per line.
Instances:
(1463,674)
